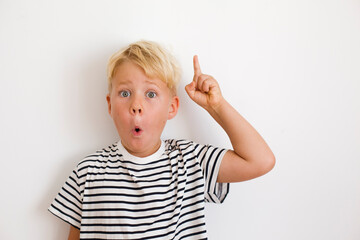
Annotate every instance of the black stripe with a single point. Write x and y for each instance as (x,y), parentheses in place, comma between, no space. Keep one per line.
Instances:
(132,169)
(133,232)
(101,155)
(144,202)
(206,174)
(129,217)
(137,188)
(192,212)
(130,202)
(131,181)
(193,196)
(131,210)
(191,219)
(63,213)
(88,159)
(140,181)
(193,226)
(192,204)
(67,200)
(201,152)
(70,177)
(195,179)
(68,208)
(130,162)
(72,187)
(130,225)
(193,188)
(75,197)
(60,217)
(179,214)
(212,174)
(176,202)
(133,195)
(182,207)
(193,234)
(126,174)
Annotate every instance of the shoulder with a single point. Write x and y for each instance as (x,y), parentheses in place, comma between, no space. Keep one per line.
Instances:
(179,144)
(184,147)
(100,157)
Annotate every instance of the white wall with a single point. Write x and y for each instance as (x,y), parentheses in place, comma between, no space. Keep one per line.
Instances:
(291,68)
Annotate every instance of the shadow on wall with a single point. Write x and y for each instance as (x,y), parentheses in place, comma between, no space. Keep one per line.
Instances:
(84,95)
(86,124)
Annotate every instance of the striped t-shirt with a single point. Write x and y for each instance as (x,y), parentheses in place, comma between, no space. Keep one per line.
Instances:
(114,195)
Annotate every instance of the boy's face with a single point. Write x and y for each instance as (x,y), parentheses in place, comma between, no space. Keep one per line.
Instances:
(140,107)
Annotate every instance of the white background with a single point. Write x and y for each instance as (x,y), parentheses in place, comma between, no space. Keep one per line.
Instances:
(291,68)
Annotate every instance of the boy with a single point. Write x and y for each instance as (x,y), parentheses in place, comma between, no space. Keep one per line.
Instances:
(142,187)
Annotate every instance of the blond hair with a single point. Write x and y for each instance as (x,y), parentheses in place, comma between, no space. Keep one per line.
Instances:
(155,60)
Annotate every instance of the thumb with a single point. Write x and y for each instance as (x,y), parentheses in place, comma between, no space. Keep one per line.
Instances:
(190,89)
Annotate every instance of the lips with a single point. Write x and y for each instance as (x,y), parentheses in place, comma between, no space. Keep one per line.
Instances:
(137,131)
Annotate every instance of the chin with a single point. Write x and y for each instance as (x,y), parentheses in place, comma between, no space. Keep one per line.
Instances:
(135,145)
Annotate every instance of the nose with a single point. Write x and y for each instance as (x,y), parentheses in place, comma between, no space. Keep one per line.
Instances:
(136,110)
(136,107)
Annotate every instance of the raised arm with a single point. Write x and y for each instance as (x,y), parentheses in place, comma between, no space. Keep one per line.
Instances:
(251,157)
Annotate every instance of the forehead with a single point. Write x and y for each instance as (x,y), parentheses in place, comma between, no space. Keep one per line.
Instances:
(130,73)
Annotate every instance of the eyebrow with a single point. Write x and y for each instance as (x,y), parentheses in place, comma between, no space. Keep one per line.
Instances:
(152,82)
(127,81)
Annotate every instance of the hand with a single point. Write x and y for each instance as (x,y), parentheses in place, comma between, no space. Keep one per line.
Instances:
(204,89)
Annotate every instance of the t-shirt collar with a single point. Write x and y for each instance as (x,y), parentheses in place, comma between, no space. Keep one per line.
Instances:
(127,156)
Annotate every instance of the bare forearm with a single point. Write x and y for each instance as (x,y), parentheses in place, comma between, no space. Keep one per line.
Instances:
(246,141)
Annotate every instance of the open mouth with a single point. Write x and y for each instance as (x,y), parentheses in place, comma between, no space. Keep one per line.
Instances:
(137,131)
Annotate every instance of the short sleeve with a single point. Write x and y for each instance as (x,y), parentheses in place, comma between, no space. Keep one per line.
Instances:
(67,204)
(210,160)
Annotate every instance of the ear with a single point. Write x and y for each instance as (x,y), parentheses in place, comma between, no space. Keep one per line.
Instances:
(174,106)
(108,99)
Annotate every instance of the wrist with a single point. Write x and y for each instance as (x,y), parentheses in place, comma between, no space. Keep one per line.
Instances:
(215,109)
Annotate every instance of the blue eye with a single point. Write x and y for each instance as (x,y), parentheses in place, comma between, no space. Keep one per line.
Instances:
(151,94)
(124,93)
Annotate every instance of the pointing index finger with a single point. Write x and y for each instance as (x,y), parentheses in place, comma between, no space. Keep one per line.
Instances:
(197,70)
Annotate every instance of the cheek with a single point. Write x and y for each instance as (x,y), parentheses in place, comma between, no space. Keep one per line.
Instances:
(158,114)
(118,106)
(118,114)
